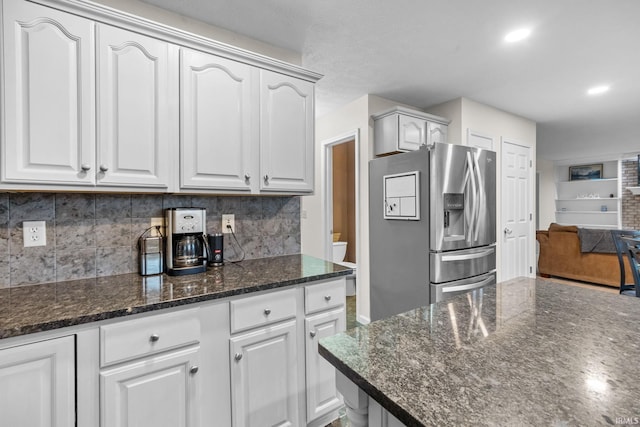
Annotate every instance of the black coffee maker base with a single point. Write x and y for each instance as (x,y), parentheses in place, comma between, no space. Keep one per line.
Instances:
(187,270)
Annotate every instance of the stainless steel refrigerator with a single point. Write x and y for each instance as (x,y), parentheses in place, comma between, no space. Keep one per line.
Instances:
(432,226)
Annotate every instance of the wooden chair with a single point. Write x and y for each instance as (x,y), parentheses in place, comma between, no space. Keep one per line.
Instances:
(621,250)
(632,246)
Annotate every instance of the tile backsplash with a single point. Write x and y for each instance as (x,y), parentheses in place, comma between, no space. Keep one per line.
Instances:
(90,235)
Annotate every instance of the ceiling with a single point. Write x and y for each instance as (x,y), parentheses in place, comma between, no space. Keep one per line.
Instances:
(425,52)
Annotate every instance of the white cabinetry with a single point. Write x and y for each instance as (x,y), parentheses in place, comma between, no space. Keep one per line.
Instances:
(264,362)
(286,133)
(593,203)
(245,122)
(137,86)
(325,308)
(159,384)
(49,96)
(400,129)
(217,128)
(37,384)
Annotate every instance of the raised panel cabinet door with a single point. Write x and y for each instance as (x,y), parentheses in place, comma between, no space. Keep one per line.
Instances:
(49,96)
(264,383)
(437,133)
(412,133)
(322,394)
(216,123)
(37,384)
(286,133)
(160,391)
(137,98)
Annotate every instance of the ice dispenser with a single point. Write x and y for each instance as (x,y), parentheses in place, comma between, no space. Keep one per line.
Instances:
(453,206)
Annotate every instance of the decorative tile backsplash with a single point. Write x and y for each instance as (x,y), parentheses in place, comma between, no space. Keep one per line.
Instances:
(90,235)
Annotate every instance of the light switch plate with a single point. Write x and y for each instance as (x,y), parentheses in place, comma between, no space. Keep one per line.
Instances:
(34,233)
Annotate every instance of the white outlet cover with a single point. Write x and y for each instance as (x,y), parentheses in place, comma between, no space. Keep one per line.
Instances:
(228,219)
(34,233)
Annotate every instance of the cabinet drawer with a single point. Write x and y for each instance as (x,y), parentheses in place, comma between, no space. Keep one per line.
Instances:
(135,338)
(324,296)
(262,310)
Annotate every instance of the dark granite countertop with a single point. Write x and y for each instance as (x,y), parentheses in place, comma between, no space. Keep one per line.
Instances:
(527,352)
(37,308)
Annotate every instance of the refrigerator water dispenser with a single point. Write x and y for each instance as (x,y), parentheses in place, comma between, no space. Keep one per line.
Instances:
(453,205)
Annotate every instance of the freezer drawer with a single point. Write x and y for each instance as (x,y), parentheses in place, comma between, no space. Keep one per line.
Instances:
(443,291)
(454,265)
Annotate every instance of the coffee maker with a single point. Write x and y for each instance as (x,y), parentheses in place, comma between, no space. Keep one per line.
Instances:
(187,246)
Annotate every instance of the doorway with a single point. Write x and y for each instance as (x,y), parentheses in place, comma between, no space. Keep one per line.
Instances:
(341,203)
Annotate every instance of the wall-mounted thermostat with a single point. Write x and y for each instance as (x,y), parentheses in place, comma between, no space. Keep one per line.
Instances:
(402,196)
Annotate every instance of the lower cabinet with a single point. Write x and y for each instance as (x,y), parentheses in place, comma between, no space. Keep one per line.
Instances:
(322,394)
(37,384)
(264,380)
(160,391)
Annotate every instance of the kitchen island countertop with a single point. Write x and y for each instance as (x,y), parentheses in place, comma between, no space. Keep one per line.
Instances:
(526,352)
(38,308)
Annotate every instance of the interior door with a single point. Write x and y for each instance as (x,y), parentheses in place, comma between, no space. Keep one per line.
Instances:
(517,214)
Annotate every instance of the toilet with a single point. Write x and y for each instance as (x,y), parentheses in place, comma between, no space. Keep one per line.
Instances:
(339,252)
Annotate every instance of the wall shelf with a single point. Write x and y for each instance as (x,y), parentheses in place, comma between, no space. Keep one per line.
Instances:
(634,190)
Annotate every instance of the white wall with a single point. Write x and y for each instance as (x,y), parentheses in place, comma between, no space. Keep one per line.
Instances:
(546,192)
(162,16)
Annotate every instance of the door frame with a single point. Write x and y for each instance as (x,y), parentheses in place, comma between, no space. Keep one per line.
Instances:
(532,201)
(327,193)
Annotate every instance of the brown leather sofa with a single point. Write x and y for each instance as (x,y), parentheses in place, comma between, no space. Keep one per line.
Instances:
(560,256)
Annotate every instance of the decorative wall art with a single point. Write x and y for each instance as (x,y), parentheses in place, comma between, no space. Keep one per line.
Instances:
(583,172)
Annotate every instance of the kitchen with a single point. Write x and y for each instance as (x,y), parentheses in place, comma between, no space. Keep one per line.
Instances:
(240,180)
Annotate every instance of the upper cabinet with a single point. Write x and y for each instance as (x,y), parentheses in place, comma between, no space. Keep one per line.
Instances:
(137,84)
(129,104)
(49,96)
(286,133)
(217,130)
(401,129)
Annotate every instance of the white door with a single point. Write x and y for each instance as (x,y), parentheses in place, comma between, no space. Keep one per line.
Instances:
(286,133)
(217,128)
(37,384)
(264,383)
(517,213)
(412,133)
(322,394)
(137,92)
(161,391)
(49,95)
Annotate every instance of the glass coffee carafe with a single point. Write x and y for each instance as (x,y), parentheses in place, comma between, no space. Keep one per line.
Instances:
(188,250)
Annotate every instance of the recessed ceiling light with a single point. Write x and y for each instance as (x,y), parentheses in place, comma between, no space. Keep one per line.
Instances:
(597,90)
(517,35)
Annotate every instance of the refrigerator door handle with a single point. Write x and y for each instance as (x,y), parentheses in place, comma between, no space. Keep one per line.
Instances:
(472,198)
(481,199)
(467,287)
(464,257)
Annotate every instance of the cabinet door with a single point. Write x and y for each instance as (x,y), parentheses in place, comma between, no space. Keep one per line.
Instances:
(161,391)
(286,133)
(412,133)
(264,383)
(137,88)
(437,132)
(49,92)
(322,394)
(217,129)
(37,384)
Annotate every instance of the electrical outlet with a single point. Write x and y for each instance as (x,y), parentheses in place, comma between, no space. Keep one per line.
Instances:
(228,220)
(157,221)
(34,233)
